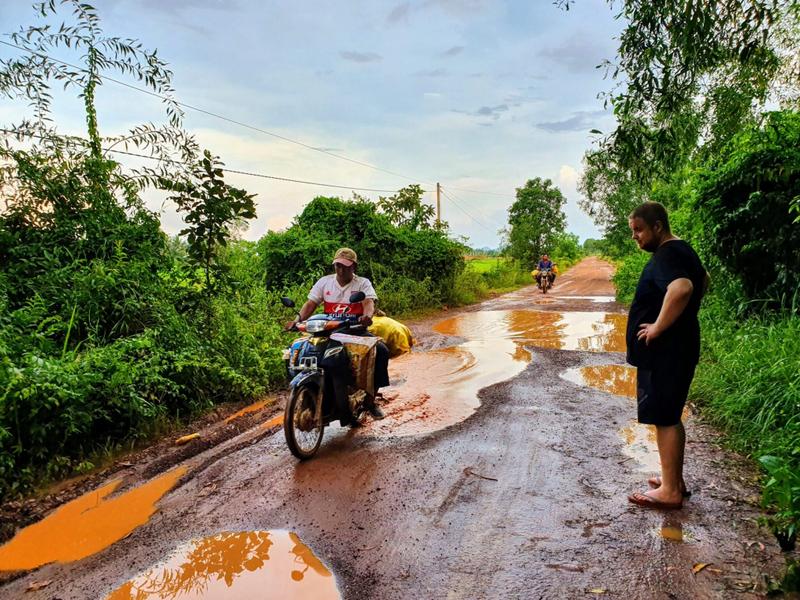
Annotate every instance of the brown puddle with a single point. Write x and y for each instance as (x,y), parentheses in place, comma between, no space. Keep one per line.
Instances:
(440,387)
(614,379)
(248,564)
(594,331)
(86,525)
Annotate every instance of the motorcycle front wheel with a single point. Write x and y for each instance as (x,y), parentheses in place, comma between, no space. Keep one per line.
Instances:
(302,422)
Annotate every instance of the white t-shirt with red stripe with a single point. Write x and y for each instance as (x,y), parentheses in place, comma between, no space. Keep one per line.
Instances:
(335,299)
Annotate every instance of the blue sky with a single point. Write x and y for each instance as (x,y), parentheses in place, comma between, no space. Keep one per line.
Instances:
(475,94)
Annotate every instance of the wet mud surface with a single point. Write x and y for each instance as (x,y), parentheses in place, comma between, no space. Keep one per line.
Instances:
(501,471)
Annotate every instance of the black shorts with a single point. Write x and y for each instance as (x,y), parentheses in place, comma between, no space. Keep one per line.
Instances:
(661,393)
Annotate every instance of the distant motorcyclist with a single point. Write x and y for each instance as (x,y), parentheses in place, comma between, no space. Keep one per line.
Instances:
(333,292)
(545,264)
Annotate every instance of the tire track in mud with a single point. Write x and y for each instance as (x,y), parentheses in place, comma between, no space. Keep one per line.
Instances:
(523,497)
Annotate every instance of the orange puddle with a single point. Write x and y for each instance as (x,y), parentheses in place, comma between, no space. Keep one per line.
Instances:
(440,388)
(255,407)
(86,525)
(614,379)
(594,331)
(248,564)
(273,422)
(674,534)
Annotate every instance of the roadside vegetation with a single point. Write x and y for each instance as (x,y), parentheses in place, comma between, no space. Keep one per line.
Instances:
(694,133)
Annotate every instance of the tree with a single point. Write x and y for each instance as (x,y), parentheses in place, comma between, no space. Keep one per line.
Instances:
(694,73)
(536,219)
(406,209)
(32,76)
(211,208)
(609,194)
(744,200)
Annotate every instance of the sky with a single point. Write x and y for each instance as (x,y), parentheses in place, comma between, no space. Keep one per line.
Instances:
(478,95)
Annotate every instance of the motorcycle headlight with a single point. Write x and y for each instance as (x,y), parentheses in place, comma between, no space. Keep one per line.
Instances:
(315,326)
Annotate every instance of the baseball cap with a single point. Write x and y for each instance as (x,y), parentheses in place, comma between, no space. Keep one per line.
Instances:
(345,256)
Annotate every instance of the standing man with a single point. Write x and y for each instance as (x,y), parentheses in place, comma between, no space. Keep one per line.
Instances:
(663,340)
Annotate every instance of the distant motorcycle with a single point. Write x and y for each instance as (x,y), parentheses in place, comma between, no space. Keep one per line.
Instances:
(330,371)
(545,280)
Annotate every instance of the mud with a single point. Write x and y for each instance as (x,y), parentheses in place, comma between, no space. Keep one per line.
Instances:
(524,497)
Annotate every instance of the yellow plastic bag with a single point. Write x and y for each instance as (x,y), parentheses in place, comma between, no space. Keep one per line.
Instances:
(535,273)
(395,335)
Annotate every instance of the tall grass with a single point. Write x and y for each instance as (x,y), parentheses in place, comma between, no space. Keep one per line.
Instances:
(748,384)
(750,379)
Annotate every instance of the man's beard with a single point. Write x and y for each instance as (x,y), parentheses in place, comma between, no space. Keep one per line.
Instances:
(651,246)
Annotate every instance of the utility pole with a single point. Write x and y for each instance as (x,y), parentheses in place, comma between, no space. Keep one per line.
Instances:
(438,204)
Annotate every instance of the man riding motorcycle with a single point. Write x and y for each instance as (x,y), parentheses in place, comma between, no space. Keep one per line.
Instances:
(545,264)
(333,292)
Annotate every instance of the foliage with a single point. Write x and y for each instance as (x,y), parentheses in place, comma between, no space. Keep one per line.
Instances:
(783,491)
(305,250)
(567,250)
(71,254)
(32,75)
(691,72)
(744,198)
(536,220)
(211,208)
(406,209)
(627,275)
(98,340)
(748,383)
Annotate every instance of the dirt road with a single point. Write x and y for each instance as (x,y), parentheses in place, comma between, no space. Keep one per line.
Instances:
(501,471)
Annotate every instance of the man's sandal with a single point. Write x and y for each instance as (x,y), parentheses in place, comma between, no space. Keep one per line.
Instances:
(645,501)
(655,482)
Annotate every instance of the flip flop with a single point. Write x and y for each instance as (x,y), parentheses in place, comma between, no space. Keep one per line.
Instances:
(643,500)
(655,482)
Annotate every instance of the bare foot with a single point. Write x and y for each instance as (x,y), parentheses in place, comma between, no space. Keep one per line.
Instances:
(660,495)
(655,482)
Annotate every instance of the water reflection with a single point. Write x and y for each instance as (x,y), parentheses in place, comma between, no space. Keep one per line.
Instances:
(614,379)
(248,564)
(592,331)
(86,525)
(640,445)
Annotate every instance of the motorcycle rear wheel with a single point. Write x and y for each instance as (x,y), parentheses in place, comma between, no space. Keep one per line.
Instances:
(302,422)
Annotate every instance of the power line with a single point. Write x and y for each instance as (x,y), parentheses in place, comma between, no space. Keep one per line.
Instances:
(479,211)
(470,191)
(217,116)
(457,205)
(236,171)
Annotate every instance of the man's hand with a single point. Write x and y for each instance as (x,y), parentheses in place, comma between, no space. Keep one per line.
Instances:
(648,332)
(289,325)
(365,320)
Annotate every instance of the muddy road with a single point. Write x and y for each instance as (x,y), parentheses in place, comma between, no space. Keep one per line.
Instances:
(501,471)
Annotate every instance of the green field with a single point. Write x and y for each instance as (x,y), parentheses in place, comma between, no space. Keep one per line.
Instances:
(484,264)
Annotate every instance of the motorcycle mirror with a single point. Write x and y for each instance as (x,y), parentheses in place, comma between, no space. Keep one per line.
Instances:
(357,297)
(287,302)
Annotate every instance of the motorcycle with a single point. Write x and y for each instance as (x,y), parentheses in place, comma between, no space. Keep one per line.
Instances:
(545,280)
(330,369)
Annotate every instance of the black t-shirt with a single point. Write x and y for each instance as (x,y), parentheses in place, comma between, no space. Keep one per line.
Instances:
(681,342)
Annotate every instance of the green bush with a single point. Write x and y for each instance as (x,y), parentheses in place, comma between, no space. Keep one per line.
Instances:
(745,197)
(627,275)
